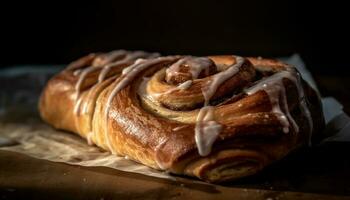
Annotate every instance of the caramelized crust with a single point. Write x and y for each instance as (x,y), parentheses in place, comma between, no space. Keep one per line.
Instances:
(151,116)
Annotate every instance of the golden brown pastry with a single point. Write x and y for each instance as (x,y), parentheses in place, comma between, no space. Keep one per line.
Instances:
(217,118)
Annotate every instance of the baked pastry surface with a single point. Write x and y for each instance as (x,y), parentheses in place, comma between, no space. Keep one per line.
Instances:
(217,118)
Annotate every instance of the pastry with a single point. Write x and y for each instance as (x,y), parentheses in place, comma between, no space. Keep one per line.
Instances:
(217,118)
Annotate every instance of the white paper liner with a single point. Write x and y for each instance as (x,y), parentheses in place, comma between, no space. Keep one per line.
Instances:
(41,141)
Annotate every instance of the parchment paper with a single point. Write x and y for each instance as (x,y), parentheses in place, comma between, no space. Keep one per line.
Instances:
(22,131)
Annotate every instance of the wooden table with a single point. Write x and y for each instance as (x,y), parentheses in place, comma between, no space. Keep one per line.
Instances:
(319,173)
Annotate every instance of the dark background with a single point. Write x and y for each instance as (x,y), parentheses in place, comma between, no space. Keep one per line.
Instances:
(57,32)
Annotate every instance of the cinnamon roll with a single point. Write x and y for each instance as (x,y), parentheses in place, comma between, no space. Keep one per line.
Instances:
(217,118)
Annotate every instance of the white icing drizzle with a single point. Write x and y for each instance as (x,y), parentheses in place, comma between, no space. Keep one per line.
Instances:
(196,65)
(107,68)
(77,106)
(77,72)
(134,70)
(85,107)
(221,77)
(173,70)
(125,80)
(89,138)
(108,57)
(106,65)
(81,79)
(179,128)
(206,130)
(129,68)
(128,58)
(275,89)
(104,62)
(142,91)
(185,85)
(161,143)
